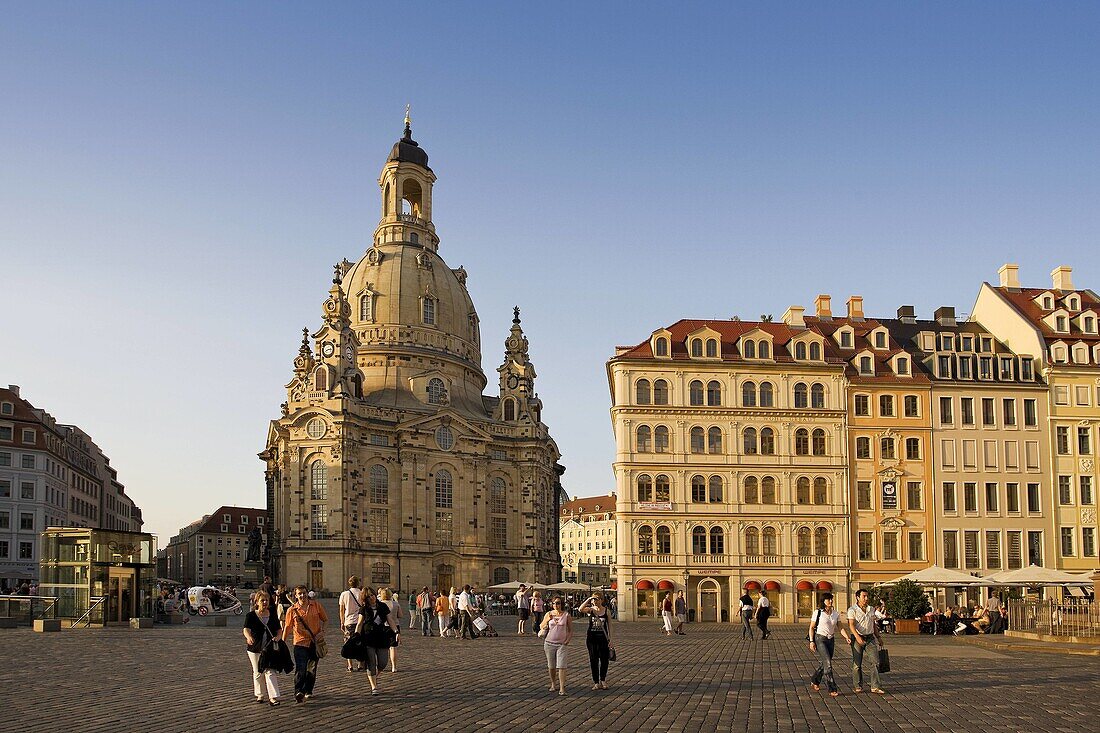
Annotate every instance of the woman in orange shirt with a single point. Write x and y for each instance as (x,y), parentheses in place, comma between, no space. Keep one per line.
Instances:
(305,625)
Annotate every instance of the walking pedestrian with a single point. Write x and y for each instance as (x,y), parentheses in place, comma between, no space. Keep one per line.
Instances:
(424,607)
(380,633)
(350,604)
(557,632)
(763,613)
(443,614)
(537,608)
(746,611)
(523,609)
(666,613)
(824,626)
(865,637)
(465,612)
(681,612)
(261,626)
(284,601)
(387,597)
(598,640)
(305,623)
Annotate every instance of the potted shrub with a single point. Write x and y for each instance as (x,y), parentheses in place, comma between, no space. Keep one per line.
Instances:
(907,603)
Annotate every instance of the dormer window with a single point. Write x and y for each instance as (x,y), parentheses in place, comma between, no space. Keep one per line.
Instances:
(696,348)
(1026,373)
(928,342)
(1072,303)
(764,350)
(947,342)
(815,351)
(712,348)
(943,367)
(661,347)
(880,339)
(845,339)
(1048,303)
(1088,324)
(865,365)
(967,343)
(1006,369)
(901,366)
(437,391)
(366,307)
(1080,354)
(749,349)
(1060,324)
(1058,354)
(800,351)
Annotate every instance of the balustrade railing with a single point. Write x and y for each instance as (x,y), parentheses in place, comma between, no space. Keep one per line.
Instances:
(1068,617)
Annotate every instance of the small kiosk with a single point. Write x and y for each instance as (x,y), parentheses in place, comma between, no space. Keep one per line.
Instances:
(100,577)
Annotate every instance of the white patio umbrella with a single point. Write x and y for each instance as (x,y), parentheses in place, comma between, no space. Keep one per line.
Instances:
(935,576)
(567,586)
(514,585)
(1033,576)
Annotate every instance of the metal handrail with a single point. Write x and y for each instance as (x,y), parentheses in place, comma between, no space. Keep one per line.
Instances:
(51,600)
(96,602)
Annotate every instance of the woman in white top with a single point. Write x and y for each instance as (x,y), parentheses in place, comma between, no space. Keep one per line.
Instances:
(386,597)
(350,602)
(824,625)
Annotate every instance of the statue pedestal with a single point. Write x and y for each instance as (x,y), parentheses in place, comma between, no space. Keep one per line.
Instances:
(253,573)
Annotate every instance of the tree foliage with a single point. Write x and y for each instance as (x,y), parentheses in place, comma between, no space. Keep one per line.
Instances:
(907,600)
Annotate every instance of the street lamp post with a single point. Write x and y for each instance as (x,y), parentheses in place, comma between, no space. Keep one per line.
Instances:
(408,587)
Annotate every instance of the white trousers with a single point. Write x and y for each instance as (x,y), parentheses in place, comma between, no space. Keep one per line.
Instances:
(258,677)
(668,620)
(442,622)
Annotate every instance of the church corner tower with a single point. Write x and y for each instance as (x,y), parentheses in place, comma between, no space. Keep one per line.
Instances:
(388,461)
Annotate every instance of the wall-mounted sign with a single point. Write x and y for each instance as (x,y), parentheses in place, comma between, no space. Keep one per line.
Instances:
(889,494)
(655,506)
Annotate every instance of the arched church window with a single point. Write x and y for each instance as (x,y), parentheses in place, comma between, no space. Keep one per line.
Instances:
(366,307)
(320,379)
(318,481)
(444,489)
(427,314)
(437,391)
(379,485)
(414,238)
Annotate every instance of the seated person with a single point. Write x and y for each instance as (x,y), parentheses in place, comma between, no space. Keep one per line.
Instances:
(982,623)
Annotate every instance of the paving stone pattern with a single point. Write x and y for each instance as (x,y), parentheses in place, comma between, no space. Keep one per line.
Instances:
(198,678)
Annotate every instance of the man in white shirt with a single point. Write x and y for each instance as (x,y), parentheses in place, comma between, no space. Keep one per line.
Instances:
(763,613)
(865,636)
(465,617)
(350,603)
(523,608)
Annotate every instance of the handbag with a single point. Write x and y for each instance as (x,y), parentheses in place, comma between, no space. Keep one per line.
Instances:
(276,656)
(883,661)
(611,655)
(354,648)
(813,631)
(320,646)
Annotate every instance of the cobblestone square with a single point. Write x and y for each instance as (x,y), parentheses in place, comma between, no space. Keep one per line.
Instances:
(194,677)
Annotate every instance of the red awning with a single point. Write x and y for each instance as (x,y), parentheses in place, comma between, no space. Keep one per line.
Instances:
(644,585)
(666,585)
(771,585)
(824,585)
(614,585)
(752,585)
(804,585)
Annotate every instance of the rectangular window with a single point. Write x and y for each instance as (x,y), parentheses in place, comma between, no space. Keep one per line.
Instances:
(1086,490)
(1080,396)
(946,416)
(993,549)
(912,405)
(1067,534)
(966,367)
(1031,454)
(1065,490)
(914,495)
(378,525)
(862,405)
(1025,369)
(1006,369)
(991,497)
(886,405)
(1015,550)
(866,545)
(498,532)
(1033,505)
(428,311)
(5,459)
(863,495)
(1031,416)
(985,367)
(26,522)
(28,461)
(318,521)
(970,497)
(988,414)
(444,528)
(949,496)
(1061,395)
(989,453)
(943,364)
(1012,455)
(947,452)
(1061,440)
(886,449)
(1009,411)
(1088,542)
(889,545)
(28,436)
(26,550)
(1084,442)
(912,449)
(26,490)
(5,520)
(916,545)
(967,410)
(3,549)
(5,432)
(950,549)
(1034,547)
(971,550)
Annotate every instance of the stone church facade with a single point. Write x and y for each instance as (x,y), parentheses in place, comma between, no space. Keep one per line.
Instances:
(389,462)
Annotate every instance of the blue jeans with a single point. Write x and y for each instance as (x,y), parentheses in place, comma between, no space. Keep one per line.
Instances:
(857,662)
(746,618)
(426,622)
(824,647)
(305,669)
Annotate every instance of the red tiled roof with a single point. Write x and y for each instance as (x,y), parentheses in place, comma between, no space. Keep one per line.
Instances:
(1023,300)
(730,332)
(587,505)
(214,522)
(861,342)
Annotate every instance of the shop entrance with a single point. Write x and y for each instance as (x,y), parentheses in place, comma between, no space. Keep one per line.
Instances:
(120,596)
(708,601)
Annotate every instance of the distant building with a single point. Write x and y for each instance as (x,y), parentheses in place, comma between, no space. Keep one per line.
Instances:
(51,475)
(587,540)
(214,550)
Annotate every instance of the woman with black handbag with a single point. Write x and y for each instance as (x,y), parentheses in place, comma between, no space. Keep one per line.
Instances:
(598,640)
(261,628)
(378,631)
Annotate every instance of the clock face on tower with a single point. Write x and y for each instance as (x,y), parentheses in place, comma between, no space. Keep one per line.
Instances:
(327,349)
(513,381)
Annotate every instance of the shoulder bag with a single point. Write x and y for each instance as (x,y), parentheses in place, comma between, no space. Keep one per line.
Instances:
(320,646)
(813,630)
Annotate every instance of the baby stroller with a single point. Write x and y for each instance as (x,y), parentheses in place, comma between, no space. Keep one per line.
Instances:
(484,627)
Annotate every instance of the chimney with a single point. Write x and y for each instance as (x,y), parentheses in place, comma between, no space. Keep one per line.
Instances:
(14,389)
(907,314)
(1010,276)
(945,316)
(1060,278)
(823,305)
(793,317)
(855,307)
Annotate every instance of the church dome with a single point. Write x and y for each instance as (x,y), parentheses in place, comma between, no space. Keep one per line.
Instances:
(406,150)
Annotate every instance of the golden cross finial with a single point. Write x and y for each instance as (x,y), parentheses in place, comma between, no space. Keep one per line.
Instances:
(408,119)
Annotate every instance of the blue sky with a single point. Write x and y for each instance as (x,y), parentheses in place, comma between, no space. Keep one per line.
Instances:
(176,181)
